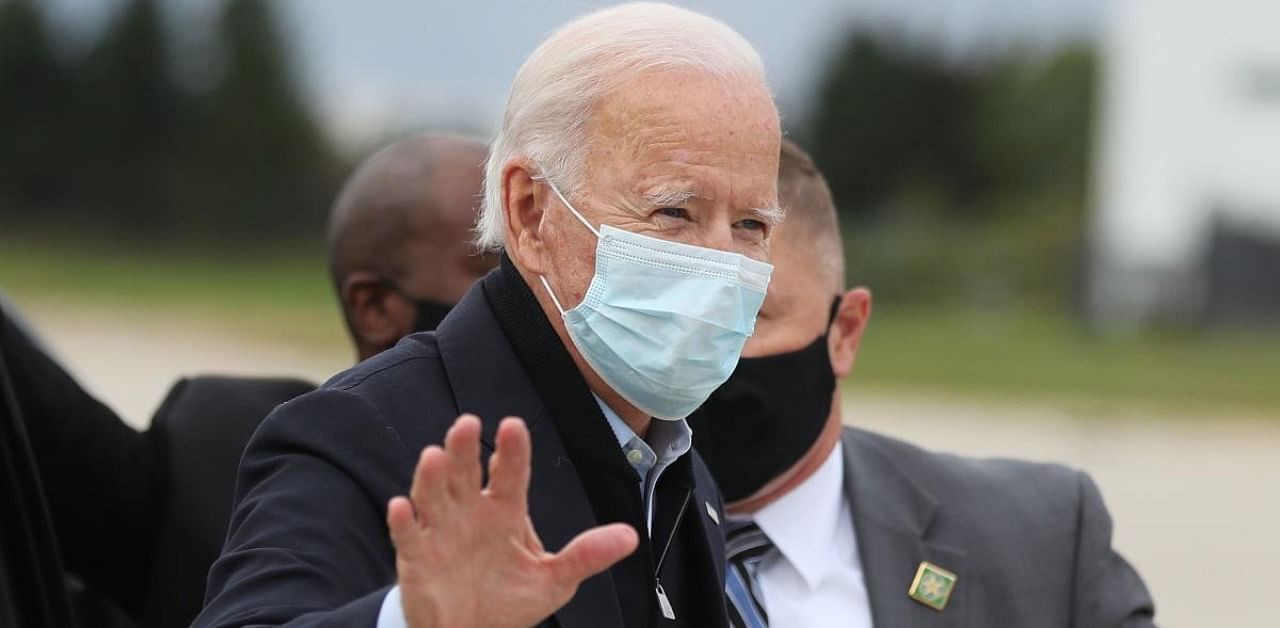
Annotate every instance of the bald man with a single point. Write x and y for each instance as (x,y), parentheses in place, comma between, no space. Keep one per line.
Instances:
(836,526)
(400,252)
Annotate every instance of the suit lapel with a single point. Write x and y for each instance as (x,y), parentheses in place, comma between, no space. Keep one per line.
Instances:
(560,511)
(892,515)
(558,506)
(706,498)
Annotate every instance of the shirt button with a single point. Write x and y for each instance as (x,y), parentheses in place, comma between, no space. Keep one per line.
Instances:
(635,456)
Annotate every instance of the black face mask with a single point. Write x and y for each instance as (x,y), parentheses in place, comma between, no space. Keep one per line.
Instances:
(429,311)
(764,419)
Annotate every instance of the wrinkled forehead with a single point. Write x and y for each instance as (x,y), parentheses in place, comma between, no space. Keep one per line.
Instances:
(687,123)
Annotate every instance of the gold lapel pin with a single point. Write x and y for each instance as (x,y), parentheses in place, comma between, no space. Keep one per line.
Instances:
(932,586)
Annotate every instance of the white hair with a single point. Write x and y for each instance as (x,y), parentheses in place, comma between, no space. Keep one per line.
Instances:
(553,93)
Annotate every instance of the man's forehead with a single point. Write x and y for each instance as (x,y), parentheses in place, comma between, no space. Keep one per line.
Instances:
(686,138)
(695,166)
(669,138)
(686,116)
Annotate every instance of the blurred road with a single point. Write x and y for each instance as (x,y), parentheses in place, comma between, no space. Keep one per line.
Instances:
(1194,498)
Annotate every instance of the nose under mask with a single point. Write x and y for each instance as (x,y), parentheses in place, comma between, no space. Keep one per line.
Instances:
(663,323)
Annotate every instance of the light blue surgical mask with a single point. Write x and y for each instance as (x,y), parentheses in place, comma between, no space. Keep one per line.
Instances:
(663,323)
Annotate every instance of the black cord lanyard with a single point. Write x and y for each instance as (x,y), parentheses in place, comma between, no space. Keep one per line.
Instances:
(663,602)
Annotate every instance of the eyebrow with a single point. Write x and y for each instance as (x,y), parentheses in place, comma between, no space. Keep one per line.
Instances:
(669,198)
(772,216)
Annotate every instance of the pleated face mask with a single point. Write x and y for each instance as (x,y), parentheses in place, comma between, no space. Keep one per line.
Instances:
(663,323)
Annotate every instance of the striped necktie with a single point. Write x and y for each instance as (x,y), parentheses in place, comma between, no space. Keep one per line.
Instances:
(745,548)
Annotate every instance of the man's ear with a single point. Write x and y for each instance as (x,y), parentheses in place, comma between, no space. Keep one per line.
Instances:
(377,315)
(852,316)
(524,200)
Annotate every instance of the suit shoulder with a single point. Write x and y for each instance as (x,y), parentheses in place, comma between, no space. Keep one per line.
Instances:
(413,366)
(405,387)
(416,351)
(1034,489)
(942,469)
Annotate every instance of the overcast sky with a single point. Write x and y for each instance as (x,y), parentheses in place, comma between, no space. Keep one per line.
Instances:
(377,65)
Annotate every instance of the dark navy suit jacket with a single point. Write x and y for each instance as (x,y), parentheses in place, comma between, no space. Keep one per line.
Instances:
(308,542)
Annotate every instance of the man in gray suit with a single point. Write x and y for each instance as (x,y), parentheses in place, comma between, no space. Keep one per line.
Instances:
(832,525)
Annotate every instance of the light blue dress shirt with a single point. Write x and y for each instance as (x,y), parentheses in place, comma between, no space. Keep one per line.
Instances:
(649,456)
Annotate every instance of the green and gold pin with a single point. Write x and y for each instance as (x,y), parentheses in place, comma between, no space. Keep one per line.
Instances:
(933,586)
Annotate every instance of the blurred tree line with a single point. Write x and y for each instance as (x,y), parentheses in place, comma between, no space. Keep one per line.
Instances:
(962,181)
(112,138)
(959,180)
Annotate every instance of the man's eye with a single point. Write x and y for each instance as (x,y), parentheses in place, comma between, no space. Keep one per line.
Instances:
(752,224)
(673,212)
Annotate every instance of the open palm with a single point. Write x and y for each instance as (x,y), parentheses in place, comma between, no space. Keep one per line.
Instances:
(468,555)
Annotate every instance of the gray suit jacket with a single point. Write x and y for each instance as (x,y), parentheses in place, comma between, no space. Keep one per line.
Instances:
(1030,543)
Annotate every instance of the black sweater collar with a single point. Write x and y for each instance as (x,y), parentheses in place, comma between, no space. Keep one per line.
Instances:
(578,418)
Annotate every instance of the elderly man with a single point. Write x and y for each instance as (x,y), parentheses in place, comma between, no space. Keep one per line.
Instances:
(400,252)
(837,526)
(632,188)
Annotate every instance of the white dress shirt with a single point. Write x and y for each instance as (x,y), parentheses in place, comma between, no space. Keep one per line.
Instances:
(665,442)
(813,576)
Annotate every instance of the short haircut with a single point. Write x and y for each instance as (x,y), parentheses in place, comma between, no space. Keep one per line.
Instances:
(811,211)
(554,92)
(379,206)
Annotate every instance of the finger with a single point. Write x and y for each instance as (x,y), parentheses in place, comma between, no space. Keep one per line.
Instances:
(509,465)
(430,490)
(400,522)
(593,551)
(462,444)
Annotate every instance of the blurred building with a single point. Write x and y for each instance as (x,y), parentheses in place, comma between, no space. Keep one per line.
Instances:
(1187,194)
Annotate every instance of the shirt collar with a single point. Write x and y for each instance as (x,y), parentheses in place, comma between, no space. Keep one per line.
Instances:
(621,430)
(803,523)
(666,441)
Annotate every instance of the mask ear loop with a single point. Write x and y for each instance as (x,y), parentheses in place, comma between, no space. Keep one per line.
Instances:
(553,294)
(555,190)
(580,218)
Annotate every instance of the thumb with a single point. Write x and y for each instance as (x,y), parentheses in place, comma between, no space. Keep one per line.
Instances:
(593,551)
